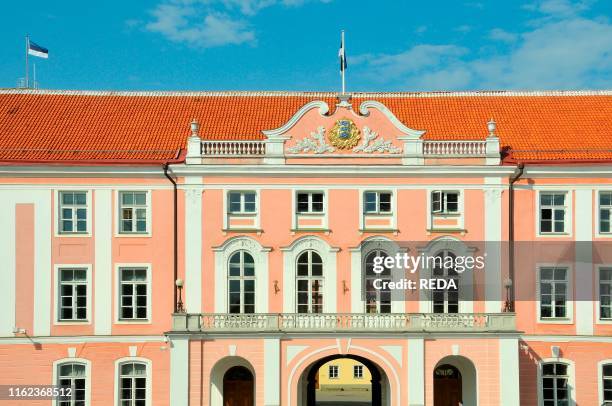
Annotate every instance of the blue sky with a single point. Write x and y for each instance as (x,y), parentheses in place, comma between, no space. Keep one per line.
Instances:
(292,44)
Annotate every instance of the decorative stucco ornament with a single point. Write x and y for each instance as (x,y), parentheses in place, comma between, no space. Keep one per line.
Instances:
(380,145)
(316,143)
(344,134)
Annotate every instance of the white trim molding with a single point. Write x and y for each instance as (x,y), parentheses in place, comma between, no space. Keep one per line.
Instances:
(569,301)
(223,253)
(88,378)
(56,294)
(406,131)
(149,376)
(571,378)
(328,256)
(323,110)
(117,302)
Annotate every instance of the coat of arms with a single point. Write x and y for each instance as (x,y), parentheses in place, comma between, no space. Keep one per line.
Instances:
(344,134)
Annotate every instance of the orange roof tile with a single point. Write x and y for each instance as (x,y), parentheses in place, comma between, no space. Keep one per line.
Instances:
(152,126)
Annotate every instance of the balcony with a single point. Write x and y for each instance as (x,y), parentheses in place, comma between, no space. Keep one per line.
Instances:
(212,323)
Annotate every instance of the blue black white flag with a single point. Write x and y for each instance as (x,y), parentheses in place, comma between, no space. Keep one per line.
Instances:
(37,50)
(342,55)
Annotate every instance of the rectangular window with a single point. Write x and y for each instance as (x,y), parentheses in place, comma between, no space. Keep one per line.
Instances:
(606,384)
(377,202)
(555,384)
(605,212)
(553,292)
(334,371)
(73,375)
(605,294)
(552,212)
(73,212)
(443,202)
(310,202)
(133,212)
(242,202)
(133,384)
(357,371)
(133,297)
(72,294)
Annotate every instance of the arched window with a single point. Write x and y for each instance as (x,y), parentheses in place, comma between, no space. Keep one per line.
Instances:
(606,382)
(377,300)
(309,283)
(555,384)
(445,300)
(73,375)
(241,283)
(133,384)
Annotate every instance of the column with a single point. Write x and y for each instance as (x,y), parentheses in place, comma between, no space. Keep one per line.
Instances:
(583,273)
(272,368)
(103,267)
(179,370)
(193,244)
(509,385)
(493,236)
(416,372)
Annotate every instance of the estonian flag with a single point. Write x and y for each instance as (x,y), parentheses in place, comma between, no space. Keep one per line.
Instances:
(37,50)
(342,55)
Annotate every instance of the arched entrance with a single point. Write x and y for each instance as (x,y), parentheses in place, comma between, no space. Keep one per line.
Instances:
(447,386)
(375,392)
(455,382)
(238,387)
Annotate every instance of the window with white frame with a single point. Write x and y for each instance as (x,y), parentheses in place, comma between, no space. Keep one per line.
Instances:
(377,202)
(605,212)
(605,294)
(133,384)
(606,382)
(444,202)
(73,375)
(241,283)
(310,202)
(358,371)
(334,371)
(555,384)
(553,292)
(133,293)
(553,208)
(72,294)
(377,300)
(309,283)
(445,300)
(72,212)
(133,212)
(242,202)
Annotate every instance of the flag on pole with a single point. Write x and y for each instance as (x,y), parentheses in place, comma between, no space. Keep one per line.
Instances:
(342,55)
(37,50)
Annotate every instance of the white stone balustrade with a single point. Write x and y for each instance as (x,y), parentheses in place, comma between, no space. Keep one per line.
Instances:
(449,148)
(348,322)
(233,148)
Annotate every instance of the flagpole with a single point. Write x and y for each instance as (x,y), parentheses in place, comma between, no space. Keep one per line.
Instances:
(343,69)
(34,76)
(26,61)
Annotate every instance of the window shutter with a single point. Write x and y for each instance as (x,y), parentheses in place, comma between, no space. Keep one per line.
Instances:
(436,201)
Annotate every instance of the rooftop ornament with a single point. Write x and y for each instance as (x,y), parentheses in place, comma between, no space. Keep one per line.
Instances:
(492,126)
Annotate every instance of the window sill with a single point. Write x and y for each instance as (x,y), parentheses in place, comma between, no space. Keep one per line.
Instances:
(243,230)
(379,230)
(554,320)
(139,321)
(73,235)
(326,231)
(461,231)
(133,235)
(72,322)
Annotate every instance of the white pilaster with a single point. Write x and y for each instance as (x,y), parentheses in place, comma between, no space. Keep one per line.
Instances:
(179,371)
(193,244)
(42,259)
(493,236)
(509,383)
(103,272)
(272,367)
(416,372)
(584,271)
(7,253)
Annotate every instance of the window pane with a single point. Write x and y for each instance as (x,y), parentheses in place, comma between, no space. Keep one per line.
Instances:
(127,198)
(546,199)
(80,198)
(559,199)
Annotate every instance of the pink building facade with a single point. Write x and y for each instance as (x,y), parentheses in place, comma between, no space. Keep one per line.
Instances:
(209,248)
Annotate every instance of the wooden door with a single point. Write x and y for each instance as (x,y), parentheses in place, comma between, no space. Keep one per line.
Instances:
(447,386)
(238,387)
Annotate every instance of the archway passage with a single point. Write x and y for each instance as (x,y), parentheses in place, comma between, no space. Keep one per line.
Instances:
(351,390)
(238,387)
(447,386)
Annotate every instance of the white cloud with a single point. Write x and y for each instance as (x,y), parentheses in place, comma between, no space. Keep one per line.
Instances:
(563,51)
(210,23)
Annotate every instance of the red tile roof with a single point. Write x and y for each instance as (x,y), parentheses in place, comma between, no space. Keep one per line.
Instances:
(146,127)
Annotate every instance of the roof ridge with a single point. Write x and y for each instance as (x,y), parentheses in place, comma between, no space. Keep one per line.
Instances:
(282,93)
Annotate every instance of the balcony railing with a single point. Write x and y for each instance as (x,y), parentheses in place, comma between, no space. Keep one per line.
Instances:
(343,322)
(446,148)
(233,148)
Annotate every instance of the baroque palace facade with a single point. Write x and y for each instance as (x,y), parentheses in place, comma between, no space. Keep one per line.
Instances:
(202,248)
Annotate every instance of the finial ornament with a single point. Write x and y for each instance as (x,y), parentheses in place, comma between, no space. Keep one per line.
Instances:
(195,127)
(492,126)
